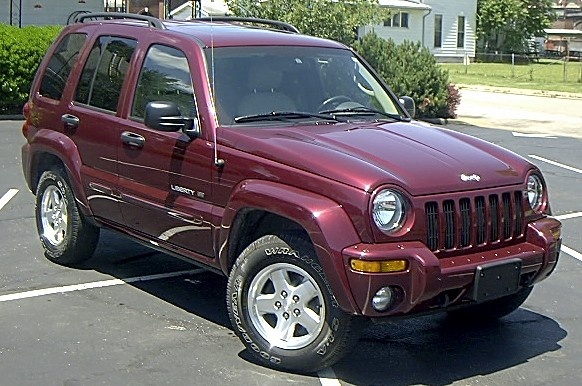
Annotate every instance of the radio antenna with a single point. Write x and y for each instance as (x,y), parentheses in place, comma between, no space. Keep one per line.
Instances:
(217,161)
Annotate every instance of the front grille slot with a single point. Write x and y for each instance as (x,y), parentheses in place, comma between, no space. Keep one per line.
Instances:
(494,215)
(465,209)
(449,210)
(473,222)
(432,225)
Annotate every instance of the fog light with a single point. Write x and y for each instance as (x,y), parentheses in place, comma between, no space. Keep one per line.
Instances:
(383,299)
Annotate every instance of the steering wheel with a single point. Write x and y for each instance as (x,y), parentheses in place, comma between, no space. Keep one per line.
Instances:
(332,102)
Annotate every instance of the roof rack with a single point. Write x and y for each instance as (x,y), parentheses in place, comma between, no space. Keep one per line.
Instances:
(152,21)
(251,20)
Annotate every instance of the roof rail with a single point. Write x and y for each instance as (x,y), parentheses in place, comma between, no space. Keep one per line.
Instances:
(251,20)
(152,21)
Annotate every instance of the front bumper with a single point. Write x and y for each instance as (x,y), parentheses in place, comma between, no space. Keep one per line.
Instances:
(430,283)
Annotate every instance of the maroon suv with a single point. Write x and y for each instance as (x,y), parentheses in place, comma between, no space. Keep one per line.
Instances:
(285,163)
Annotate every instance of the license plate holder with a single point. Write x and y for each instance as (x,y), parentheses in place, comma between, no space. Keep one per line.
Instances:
(496,280)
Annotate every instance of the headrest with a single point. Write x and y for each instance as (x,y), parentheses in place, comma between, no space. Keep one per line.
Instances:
(263,79)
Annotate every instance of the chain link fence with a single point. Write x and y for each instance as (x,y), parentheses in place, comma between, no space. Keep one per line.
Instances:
(524,68)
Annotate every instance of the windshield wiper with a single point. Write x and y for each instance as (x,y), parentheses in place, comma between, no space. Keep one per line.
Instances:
(282,115)
(362,110)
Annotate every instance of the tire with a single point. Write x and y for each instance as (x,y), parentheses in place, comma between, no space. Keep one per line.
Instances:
(67,238)
(492,310)
(282,307)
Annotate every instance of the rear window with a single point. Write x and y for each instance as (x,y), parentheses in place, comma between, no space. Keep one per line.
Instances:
(104,72)
(60,65)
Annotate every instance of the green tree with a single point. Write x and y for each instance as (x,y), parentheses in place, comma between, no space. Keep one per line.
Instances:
(410,69)
(21,50)
(506,26)
(337,20)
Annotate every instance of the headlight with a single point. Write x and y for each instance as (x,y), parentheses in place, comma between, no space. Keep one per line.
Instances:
(388,210)
(535,192)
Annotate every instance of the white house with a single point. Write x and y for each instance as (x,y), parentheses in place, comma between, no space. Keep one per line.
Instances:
(44,12)
(445,27)
(191,9)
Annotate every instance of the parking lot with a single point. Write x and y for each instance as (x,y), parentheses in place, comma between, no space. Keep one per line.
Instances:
(132,316)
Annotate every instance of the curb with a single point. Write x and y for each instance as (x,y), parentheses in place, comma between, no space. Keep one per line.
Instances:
(521,91)
(13,117)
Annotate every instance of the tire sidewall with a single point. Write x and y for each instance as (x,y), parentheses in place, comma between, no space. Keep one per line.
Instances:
(53,178)
(264,252)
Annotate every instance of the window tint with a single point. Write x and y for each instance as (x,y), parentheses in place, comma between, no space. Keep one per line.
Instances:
(438,30)
(256,80)
(461,32)
(399,19)
(104,72)
(60,65)
(165,76)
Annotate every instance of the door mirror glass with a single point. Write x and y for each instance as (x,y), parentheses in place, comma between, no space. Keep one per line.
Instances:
(409,105)
(166,116)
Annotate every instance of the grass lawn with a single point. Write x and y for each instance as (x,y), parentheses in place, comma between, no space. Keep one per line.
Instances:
(546,75)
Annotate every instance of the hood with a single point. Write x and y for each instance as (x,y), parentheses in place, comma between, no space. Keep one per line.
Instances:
(420,158)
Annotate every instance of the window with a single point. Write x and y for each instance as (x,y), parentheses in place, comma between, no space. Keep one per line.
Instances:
(399,19)
(104,72)
(165,76)
(438,31)
(461,32)
(60,65)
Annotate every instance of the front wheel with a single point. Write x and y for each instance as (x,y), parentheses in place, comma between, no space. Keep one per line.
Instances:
(282,307)
(65,235)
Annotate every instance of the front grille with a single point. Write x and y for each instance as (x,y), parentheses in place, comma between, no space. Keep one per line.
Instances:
(471,222)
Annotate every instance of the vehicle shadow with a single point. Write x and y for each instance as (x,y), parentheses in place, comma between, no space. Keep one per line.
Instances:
(429,350)
(433,350)
(200,292)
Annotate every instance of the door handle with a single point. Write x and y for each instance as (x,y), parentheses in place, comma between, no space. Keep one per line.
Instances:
(132,139)
(70,121)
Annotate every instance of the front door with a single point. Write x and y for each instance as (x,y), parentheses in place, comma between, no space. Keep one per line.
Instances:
(165,176)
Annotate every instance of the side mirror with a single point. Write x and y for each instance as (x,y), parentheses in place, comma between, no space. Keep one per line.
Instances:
(166,116)
(408,104)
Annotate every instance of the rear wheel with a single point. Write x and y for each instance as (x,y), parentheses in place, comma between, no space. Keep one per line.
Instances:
(282,307)
(491,310)
(67,238)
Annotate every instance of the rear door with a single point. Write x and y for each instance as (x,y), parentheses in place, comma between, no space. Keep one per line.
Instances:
(165,177)
(92,120)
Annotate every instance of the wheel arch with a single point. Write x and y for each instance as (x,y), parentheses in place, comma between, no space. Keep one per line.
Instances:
(257,208)
(56,150)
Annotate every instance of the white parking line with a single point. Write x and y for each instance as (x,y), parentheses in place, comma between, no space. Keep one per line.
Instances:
(571,252)
(95,284)
(327,377)
(569,215)
(7,197)
(549,161)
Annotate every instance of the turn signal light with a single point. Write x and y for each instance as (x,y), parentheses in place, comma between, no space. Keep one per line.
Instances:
(379,266)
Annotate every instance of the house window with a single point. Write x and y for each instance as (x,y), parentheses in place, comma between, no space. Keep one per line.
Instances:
(399,19)
(438,31)
(461,32)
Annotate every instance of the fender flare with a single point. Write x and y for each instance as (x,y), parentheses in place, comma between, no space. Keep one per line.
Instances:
(62,147)
(324,220)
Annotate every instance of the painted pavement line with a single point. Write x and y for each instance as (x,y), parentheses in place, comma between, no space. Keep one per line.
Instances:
(327,377)
(549,161)
(91,285)
(571,252)
(7,197)
(569,215)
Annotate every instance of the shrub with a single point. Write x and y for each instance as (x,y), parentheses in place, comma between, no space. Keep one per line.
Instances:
(21,51)
(410,69)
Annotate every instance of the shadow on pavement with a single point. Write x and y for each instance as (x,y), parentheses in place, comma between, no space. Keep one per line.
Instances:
(201,293)
(432,350)
(429,350)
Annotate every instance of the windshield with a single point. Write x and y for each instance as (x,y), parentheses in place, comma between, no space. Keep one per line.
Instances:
(255,82)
